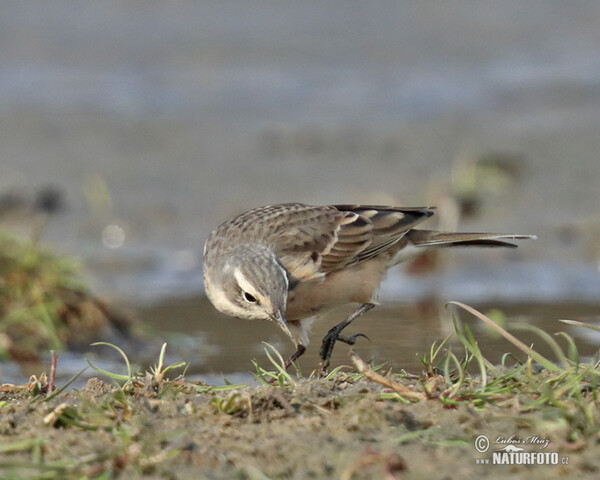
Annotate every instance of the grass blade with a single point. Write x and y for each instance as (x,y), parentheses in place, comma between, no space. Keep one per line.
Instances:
(115,376)
(560,355)
(547,364)
(573,351)
(580,324)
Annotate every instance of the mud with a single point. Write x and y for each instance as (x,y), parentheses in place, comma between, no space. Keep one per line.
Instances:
(336,428)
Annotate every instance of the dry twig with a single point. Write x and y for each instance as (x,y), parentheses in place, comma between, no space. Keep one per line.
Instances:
(405,392)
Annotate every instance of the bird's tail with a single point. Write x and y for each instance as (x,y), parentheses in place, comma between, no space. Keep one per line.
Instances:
(432,238)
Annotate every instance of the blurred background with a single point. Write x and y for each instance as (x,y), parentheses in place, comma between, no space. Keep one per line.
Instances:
(131,129)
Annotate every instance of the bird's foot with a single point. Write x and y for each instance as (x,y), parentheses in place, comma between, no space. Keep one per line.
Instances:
(329,341)
(333,335)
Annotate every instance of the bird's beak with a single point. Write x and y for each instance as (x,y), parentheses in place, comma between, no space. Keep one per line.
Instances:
(280,320)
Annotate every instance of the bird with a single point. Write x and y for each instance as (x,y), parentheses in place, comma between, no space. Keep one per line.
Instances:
(287,263)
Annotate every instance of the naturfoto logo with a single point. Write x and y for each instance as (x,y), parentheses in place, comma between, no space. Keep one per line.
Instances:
(514,450)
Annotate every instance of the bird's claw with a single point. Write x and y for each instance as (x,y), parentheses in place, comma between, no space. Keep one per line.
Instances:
(333,335)
(329,341)
(352,339)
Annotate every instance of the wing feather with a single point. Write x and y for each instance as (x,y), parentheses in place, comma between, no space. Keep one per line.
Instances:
(356,234)
(390,224)
(312,241)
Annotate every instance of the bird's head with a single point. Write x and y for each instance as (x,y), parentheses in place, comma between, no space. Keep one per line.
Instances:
(251,284)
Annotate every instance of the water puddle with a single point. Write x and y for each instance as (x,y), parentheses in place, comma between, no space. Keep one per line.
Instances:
(398,334)
(221,349)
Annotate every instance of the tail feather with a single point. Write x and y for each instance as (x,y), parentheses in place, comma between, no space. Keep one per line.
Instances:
(424,238)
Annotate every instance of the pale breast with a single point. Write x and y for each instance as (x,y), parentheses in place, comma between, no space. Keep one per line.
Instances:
(355,284)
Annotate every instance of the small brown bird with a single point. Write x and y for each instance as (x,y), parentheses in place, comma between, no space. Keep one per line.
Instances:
(286,263)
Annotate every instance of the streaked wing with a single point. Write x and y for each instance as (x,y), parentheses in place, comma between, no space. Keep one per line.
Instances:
(330,238)
(390,224)
(304,234)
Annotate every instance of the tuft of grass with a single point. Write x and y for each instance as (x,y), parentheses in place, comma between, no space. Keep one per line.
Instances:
(564,385)
(535,382)
(547,364)
(130,381)
(44,302)
(429,361)
(279,376)
(235,403)
(159,370)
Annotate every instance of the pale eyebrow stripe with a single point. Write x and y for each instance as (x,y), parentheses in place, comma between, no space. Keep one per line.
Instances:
(243,282)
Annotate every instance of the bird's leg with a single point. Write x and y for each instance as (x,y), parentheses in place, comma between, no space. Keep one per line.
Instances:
(297,354)
(333,335)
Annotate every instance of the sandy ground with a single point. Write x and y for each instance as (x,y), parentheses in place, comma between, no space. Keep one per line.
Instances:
(327,429)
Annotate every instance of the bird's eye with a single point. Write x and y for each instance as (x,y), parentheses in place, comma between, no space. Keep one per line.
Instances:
(249,298)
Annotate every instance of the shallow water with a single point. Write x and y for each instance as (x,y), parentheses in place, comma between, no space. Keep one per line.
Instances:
(221,349)
(398,333)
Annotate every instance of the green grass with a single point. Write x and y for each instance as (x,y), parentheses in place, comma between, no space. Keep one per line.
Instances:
(534,382)
(44,302)
(156,374)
